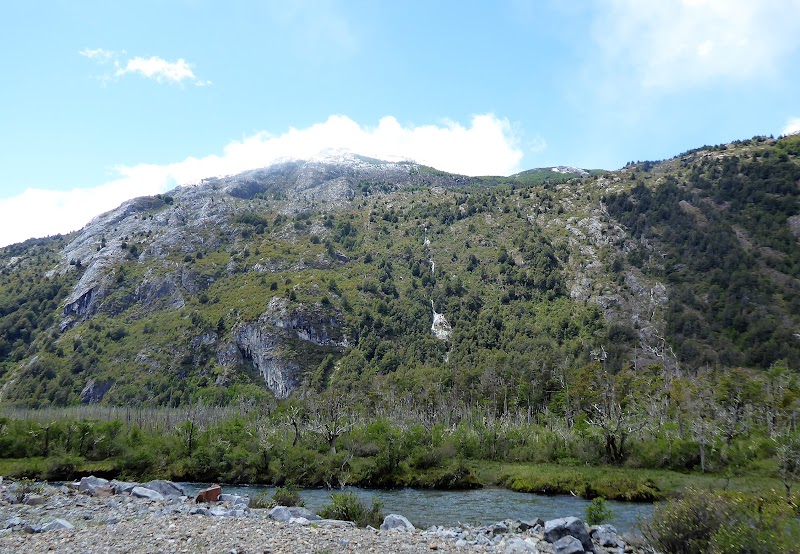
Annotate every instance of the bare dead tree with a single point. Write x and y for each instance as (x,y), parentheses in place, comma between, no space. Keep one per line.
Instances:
(788,453)
(294,417)
(330,417)
(617,423)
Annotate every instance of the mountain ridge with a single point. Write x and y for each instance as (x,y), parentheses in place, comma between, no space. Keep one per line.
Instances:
(310,274)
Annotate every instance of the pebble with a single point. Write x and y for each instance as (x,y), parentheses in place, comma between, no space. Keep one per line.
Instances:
(71,521)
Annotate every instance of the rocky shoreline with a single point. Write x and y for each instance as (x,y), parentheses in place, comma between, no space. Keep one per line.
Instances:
(96,515)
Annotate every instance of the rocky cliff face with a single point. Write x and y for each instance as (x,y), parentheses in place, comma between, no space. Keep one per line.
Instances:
(155,233)
(267,343)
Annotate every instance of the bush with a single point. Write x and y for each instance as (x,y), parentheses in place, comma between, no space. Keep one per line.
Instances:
(455,476)
(287,497)
(347,506)
(261,501)
(722,523)
(25,488)
(598,511)
(61,467)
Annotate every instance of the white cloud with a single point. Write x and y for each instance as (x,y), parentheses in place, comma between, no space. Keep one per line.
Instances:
(99,54)
(159,69)
(792,126)
(487,146)
(154,67)
(671,44)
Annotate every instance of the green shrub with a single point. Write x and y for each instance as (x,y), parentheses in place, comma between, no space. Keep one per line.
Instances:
(61,467)
(347,506)
(425,457)
(287,497)
(700,522)
(26,488)
(262,501)
(598,511)
(455,476)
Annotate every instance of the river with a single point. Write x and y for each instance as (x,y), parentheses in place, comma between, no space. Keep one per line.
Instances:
(425,508)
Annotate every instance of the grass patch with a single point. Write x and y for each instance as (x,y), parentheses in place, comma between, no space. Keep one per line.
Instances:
(38,468)
(612,483)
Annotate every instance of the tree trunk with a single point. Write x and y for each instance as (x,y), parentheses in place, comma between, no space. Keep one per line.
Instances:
(296,432)
(702,457)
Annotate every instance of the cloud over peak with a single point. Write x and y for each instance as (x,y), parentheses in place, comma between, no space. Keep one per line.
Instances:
(486,146)
(792,126)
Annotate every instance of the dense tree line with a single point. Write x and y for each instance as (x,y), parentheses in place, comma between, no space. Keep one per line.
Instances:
(730,257)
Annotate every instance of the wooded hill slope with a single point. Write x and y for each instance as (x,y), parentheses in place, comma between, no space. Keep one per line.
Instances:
(406,285)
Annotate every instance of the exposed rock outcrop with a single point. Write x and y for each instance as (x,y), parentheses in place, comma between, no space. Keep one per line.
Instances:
(266,342)
(440,327)
(160,292)
(94,391)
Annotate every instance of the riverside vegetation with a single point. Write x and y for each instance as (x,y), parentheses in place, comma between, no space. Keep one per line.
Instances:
(606,334)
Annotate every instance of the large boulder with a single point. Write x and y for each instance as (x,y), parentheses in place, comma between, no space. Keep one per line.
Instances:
(148,493)
(396,521)
(305,513)
(166,488)
(568,545)
(280,513)
(606,535)
(95,486)
(556,529)
(121,487)
(235,499)
(211,494)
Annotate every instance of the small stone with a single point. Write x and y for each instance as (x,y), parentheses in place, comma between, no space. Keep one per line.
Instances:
(433,546)
(235,499)
(57,524)
(33,528)
(14,522)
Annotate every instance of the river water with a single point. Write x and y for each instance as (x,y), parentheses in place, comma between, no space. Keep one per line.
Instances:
(449,508)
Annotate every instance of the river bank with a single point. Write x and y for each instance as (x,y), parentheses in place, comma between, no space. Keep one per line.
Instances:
(125,517)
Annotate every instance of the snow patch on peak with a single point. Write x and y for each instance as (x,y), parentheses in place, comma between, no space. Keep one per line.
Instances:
(570,169)
(344,156)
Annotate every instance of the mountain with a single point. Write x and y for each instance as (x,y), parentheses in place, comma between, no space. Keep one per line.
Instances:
(409,284)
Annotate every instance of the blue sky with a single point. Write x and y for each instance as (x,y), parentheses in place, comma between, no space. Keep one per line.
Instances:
(104,101)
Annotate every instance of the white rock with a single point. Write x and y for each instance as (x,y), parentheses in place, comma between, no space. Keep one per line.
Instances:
(396,521)
(57,524)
